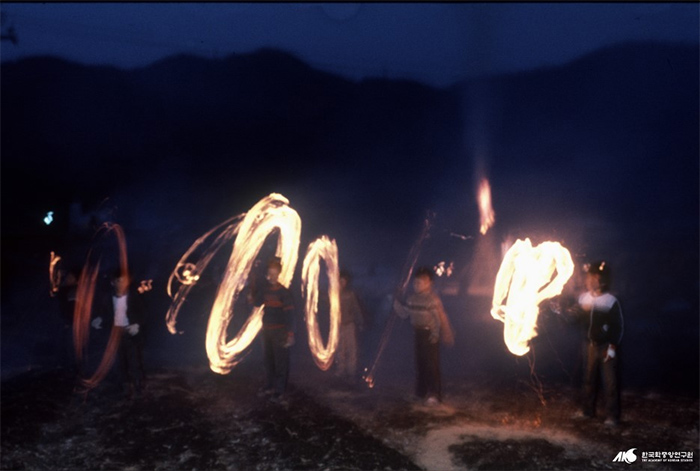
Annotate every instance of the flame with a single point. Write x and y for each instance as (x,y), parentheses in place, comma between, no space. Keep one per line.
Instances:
(443,269)
(486,213)
(269,214)
(145,286)
(188,273)
(85,294)
(328,251)
(525,278)
(54,275)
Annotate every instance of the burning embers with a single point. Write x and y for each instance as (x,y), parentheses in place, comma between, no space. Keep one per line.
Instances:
(525,279)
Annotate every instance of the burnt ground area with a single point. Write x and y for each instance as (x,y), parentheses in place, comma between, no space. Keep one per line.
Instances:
(193,419)
(184,420)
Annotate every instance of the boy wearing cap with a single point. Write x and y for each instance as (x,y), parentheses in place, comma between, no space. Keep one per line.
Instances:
(605,329)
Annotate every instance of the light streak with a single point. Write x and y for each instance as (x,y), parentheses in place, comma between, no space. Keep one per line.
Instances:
(188,273)
(401,289)
(271,213)
(486,213)
(85,294)
(321,248)
(54,275)
(461,236)
(48,219)
(525,278)
(251,229)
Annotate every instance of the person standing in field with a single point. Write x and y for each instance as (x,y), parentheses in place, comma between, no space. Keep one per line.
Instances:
(430,325)
(277,329)
(351,323)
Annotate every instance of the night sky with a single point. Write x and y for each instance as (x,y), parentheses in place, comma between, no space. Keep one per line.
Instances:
(435,43)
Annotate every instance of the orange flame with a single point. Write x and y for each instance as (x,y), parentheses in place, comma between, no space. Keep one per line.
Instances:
(85,294)
(145,286)
(525,278)
(486,213)
(328,251)
(269,214)
(54,275)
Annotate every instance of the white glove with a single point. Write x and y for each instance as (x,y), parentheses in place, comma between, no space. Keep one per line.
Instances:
(96,323)
(610,353)
(133,329)
(290,340)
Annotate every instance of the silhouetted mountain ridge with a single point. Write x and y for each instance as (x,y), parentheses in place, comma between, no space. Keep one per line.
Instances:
(269,117)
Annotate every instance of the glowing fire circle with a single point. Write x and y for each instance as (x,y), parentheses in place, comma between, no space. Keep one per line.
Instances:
(525,278)
(271,213)
(321,248)
(84,297)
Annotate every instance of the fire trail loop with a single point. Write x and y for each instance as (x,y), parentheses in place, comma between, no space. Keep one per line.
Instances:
(271,214)
(85,295)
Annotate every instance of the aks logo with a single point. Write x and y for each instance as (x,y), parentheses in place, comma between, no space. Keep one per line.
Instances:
(627,456)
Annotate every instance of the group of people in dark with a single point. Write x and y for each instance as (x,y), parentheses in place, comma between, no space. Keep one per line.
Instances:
(596,309)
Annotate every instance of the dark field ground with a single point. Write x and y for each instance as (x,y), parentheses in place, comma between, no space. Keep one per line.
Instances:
(495,415)
(192,419)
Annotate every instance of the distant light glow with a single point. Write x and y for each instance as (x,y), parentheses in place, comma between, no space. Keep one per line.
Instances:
(525,279)
(486,213)
(48,219)
(444,269)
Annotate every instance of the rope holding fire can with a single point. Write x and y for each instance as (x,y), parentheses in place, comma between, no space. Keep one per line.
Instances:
(407,272)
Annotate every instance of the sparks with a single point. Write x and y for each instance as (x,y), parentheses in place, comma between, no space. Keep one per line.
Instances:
(525,278)
(321,248)
(486,213)
(271,213)
(145,286)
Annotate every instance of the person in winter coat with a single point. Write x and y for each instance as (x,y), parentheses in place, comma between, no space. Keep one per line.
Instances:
(605,330)
(430,325)
(277,329)
(125,309)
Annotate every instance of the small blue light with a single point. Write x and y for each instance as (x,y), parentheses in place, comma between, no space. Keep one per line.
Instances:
(49,218)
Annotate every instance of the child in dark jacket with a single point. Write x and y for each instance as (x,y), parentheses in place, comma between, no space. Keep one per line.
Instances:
(430,325)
